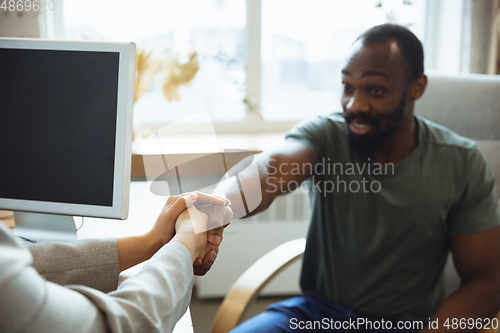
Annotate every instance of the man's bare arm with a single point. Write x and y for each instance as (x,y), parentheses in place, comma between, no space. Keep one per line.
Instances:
(274,175)
(477,260)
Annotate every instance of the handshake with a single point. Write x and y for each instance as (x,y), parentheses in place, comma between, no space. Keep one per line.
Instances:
(195,220)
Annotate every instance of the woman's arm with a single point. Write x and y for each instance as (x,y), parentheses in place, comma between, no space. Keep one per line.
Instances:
(96,263)
(91,262)
(150,301)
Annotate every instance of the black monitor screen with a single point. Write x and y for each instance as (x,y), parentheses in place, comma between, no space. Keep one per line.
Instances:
(58,125)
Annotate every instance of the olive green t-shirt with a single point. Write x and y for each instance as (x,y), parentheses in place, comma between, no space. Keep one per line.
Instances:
(379,237)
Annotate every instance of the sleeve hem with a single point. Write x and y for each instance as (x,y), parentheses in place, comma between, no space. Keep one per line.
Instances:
(477,227)
(305,143)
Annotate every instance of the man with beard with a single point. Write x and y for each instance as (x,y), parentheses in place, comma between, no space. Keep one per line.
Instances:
(380,255)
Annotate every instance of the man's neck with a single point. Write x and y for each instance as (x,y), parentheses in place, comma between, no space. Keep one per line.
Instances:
(401,145)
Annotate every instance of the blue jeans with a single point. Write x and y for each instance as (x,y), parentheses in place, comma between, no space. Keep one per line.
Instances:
(317,314)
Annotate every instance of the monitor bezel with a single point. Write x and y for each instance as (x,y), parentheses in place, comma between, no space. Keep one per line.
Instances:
(123,135)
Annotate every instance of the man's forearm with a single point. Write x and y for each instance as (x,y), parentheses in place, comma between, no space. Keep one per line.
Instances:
(255,182)
(469,306)
(243,186)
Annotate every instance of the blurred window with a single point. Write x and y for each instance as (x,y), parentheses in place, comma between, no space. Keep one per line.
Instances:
(215,29)
(303,43)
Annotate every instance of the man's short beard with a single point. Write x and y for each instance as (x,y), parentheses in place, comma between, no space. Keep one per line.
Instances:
(365,146)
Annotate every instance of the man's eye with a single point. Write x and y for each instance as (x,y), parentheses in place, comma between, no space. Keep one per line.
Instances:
(347,88)
(376,91)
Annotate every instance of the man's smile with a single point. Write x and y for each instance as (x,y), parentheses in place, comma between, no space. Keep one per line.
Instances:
(360,128)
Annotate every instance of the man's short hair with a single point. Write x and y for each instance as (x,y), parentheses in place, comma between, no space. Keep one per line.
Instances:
(408,43)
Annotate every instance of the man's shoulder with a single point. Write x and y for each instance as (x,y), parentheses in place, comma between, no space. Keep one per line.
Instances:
(322,134)
(333,119)
(438,135)
(326,124)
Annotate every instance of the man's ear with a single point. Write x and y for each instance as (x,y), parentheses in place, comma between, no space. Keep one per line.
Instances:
(417,88)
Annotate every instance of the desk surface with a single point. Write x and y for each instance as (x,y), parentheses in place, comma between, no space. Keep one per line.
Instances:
(7,217)
(143,212)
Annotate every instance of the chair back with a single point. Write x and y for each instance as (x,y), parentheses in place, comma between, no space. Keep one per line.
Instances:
(468,104)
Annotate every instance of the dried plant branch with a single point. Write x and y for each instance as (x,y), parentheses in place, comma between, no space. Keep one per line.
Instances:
(179,74)
(147,66)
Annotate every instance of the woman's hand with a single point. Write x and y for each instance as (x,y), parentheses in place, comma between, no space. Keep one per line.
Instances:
(136,249)
(164,228)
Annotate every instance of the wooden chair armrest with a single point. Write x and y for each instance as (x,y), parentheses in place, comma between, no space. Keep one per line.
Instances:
(251,282)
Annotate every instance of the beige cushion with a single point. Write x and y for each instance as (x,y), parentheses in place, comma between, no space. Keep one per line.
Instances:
(467,104)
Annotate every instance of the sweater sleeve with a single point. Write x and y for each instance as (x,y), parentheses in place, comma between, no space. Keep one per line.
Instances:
(93,263)
(151,301)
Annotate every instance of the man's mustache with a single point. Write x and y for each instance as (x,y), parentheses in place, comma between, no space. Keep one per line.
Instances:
(362,117)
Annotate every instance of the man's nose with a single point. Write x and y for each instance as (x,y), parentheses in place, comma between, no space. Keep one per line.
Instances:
(357,103)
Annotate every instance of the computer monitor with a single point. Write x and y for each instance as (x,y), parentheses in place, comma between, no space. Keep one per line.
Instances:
(65,133)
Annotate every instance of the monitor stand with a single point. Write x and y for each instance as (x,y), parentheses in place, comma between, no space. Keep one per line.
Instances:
(44,227)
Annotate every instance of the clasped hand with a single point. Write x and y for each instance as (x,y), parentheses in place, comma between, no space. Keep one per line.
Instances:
(195,220)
